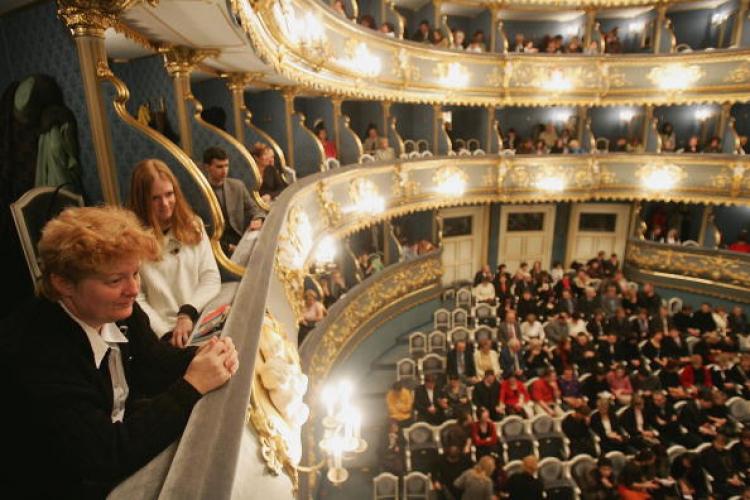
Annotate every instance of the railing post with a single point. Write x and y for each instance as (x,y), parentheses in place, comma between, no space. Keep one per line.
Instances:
(739,23)
(658,25)
(288,95)
(237,82)
(87,22)
(588,35)
(336,103)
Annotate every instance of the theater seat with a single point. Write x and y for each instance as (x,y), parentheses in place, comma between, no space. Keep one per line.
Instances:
(31,212)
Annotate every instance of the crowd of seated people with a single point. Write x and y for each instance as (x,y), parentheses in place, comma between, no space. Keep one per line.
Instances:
(377,145)
(618,369)
(669,143)
(113,380)
(545,139)
(551,45)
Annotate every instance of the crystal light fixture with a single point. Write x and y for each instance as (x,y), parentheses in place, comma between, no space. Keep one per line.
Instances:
(325,251)
(365,197)
(675,76)
(661,177)
(341,430)
(453,75)
(360,60)
(450,181)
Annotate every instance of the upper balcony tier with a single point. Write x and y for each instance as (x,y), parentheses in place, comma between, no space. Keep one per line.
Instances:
(306,44)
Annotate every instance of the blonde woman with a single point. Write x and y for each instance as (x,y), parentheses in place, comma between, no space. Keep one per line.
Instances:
(92,394)
(184,278)
(476,482)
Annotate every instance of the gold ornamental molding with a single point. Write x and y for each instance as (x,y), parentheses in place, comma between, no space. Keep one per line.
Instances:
(390,286)
(401,71)
(92,17)
(182,60)
(699,270)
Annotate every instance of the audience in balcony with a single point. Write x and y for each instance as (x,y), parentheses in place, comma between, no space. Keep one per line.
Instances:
(459,40)
(273,182)
(741,244)
(175,288)
(313,312)
(668,138)
(388,29)
(422,34)
(372,136)
(367,21)
(477,42)
(329,147)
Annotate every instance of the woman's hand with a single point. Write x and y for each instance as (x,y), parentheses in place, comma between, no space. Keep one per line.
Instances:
(182,330)
(214,363)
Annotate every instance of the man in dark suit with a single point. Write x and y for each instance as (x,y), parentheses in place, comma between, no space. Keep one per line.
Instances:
(461,363)
(483,274)
(430,402)
(487,394)
(91,393)
(240,210)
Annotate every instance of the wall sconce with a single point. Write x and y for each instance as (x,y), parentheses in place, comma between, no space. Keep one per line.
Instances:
(360,60)
(636,27)
(719,18)
(551,179)
(558,82)
(365,197)
(450,181)
(325,252)
(627,115)
(562,116)
(703,114)
(452,75)
(661,177)
(342,432)
(675,76)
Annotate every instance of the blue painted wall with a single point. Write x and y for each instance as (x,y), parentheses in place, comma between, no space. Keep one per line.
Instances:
(482,21)
(630,40)
(467,122)
(35,41)
(416,226)
(315,108)
(148,82)
(560,236)
(732,220)
(494,237)
(215,93)
(410,24)
(268,111)
(414,121)
(741,112)
(694,28)
(362,113)
(371,7)
(462,23)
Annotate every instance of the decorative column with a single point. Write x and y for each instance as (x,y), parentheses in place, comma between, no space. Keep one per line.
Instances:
(237,82)
(658,26)
(87,21)
(437,6)
(493,28)
(739,23)
(386,116)
(647,118)
(336,103)
(437,122)
(583,114)
(180,62)
(725,114)
(588,35)
(289,94)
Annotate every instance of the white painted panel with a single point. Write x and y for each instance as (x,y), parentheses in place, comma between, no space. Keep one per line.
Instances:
(535,246)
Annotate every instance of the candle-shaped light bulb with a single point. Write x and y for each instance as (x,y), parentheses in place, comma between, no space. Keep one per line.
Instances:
(345,390)
(357,423)
(329,399)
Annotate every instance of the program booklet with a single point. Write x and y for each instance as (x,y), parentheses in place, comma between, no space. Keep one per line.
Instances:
(210,324)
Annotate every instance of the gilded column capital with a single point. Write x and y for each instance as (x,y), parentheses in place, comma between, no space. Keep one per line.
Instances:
(181,60)
(92,17)
(239,81)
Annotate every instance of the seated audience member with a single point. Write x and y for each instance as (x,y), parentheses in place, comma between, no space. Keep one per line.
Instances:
(741,245)
(703,319)
(458,397)
(619,385)
(430,402)
(423,32)
(272,180)
(611,302)
(510,328)
(477,42)
(487,395)
(689,476)
(392,450)
(532,329)
(477,481)
(641,324)
(459,39)
(388,29)
(557,330)
(527,304)
(607,426)
(670,381)
(695,416)
(384,151)
(721,375)
(600,483)
(645,382)
(638,479)
(461,363)
(662,322)
(683,321)
(511,359)
(241,213)
(583,353)
(596,325)
(371,139)
(537,358)
(400,401)
(437,39)
(717,460)
(485,358)
(525,485)
(514,398)
(741,374)
(175,288)
(619,323)
(576,429)
(589,304)
(484,434)
(449,467)
(675,347)
(636,423)
(649,299)
(606,349)
(662,417)
(485,291)
(741,453)
(695,375)
(93,395)
(561,357)
(329,147)
(546,394)
(570,389)
(693,145)
(314,312)
(338,6)
(713,146)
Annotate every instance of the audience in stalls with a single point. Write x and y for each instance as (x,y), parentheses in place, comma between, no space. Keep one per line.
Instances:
(525,485)
(429,402)
(101,396)
(175,288)
(476,482)
(653,379)
(400,402)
